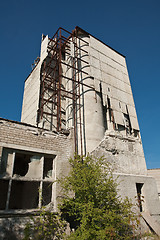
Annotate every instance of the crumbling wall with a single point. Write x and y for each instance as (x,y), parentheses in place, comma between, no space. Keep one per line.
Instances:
(124,152)
(31,160)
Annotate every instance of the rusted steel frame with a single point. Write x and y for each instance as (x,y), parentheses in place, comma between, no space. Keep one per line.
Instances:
(59,86)
(63,42)
(74,68)
(65,30)
(81,142)
(82,60)
(82,50)
(53,48)
(50,101)
(74,44)
(54,94)
(51,114)
(49,87)
(79,82)
(52,70)
(48,80)
(55,34)
(76,32)
(47,100)
(68,92)
(51,59)
(74,100)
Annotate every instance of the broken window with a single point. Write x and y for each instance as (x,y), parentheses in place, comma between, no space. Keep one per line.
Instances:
(24,195)
(25,179)
(111,115)
(46,193)
(48,167)
(127,123)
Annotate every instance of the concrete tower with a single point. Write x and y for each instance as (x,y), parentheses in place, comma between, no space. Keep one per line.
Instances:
(80,83)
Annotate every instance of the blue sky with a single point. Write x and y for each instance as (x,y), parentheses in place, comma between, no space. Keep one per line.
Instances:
(130,27)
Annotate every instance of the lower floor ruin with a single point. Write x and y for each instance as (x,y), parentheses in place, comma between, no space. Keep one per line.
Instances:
(31,159)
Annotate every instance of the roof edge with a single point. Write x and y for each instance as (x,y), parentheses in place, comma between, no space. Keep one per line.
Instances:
(78,28)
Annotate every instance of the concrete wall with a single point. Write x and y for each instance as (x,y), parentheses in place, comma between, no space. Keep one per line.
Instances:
(155,173)
(124,152)
(31,97)
(109,68)
(18,136)
(150,203)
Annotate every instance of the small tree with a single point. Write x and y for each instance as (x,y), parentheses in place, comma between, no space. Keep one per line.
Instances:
(90,202)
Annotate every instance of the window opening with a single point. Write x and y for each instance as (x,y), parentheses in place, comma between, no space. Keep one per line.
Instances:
(48,167)
(139,195)
(3,193)
(111,115)
(21,164)
(127,123)
(23,176)
(24,195)
(46,193)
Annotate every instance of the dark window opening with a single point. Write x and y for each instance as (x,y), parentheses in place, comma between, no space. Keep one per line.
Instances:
(127,123)
(136,133)
(24,195)
(111,115)
(21,164)
(48,167)
(46,193)
(63,55)
(3,193)
(23,177)
(139,195)
(120,127)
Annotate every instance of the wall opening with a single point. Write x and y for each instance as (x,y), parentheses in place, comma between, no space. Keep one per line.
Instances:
(24,195)
(21,164)
(3,193)
(139,195)
(48,167)
(46,193)
(24,175)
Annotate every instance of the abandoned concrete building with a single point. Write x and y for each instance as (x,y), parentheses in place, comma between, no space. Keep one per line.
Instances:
(77,98)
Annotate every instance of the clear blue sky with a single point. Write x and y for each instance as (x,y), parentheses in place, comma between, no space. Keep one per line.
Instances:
(130,27)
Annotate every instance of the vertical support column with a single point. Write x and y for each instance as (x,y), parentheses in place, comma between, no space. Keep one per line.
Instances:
(79,94)
(41,184)
(10,183)
(74,95)
(59,83)
(1,150)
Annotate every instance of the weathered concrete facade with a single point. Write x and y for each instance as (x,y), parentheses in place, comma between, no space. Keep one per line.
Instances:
(31,159)
(155,173)
(102,120)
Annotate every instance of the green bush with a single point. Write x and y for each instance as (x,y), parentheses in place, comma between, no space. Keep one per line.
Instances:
(91,204)
(46,226)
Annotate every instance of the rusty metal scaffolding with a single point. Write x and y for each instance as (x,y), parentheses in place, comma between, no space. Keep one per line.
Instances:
(53,91)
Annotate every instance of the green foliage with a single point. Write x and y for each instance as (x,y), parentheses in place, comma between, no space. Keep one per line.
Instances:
(47,225)
(91,203)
